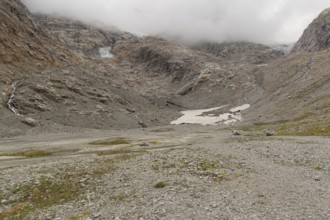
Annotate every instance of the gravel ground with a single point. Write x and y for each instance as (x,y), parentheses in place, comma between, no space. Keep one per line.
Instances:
(188,172)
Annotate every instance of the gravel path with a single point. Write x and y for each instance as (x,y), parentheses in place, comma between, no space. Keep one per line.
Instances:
(184,172)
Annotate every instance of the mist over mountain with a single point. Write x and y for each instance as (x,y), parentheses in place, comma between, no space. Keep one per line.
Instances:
(268,22)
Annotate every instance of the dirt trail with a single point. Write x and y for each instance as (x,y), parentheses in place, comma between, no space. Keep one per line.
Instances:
(64,146)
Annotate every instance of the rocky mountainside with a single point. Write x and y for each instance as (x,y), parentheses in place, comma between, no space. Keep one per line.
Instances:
(242,52)
(82,38)
(156,68)
(59,74)
(26,50)
(144,82)
(295,94)
(317,36)
(47,86)
(296,88)
(22,41)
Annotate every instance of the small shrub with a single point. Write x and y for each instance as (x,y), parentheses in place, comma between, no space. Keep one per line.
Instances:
(318,168)
(159,185)
(208,165)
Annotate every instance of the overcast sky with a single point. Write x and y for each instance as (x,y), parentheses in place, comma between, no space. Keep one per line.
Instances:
(262,21)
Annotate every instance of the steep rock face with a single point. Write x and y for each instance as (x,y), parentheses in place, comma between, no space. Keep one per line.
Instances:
(159,56)
(22,41)
(154,67)
(241,52)
(80,37)
(25,51)
(317,36)
(189,78)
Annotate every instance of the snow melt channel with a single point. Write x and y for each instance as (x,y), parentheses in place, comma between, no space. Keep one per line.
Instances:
(11,97)
(105,52)
(197,117)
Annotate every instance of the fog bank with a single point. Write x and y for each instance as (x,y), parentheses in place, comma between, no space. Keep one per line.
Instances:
(190,21)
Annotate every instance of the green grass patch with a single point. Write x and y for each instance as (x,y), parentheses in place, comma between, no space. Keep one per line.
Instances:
(304,129)
(75,217)
(208,165)
(111,141)
(28,153)
(37,196)
(299,126)
(153,142)
(120,151)
(66,184)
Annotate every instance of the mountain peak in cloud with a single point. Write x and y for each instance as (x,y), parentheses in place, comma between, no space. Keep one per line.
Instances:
(192,21)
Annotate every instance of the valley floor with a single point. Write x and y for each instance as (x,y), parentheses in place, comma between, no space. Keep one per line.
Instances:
(171,172)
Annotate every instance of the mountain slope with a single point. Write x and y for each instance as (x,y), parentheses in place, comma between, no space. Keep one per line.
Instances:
(295,96)
(42,79)
(296,88)
(22,41)
(63,83)
(241,52)
(54,78)
(155,68)
(317,36)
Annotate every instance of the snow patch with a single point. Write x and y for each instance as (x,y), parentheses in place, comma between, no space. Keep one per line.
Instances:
(105,52)
(197,117)
(240,108)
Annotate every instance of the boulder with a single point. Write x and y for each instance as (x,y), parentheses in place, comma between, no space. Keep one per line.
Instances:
(30,121)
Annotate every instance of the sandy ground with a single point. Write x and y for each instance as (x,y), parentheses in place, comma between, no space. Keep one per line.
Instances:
(173,172)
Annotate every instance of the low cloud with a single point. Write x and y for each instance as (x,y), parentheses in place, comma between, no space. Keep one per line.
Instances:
(190,21)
